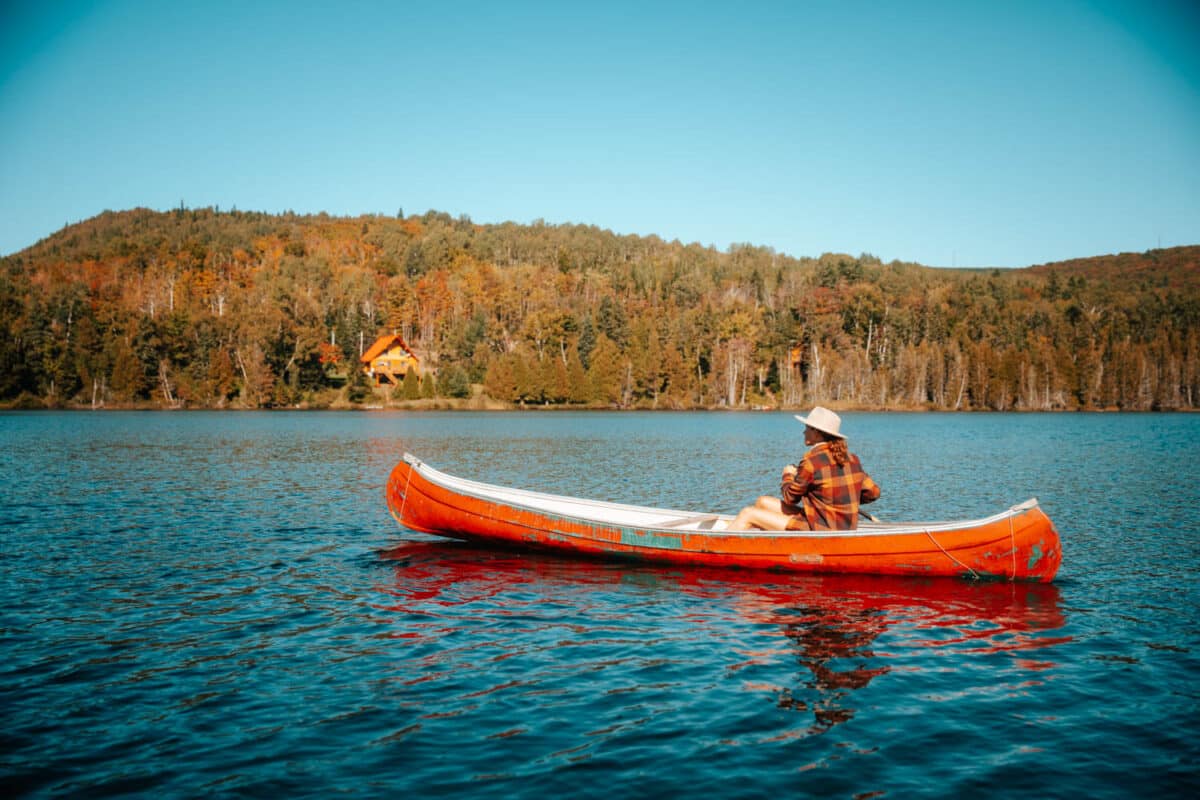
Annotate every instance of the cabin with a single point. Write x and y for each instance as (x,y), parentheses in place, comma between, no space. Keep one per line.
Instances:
(388,360)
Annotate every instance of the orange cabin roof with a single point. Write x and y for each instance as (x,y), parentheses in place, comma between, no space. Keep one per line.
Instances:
(385,343)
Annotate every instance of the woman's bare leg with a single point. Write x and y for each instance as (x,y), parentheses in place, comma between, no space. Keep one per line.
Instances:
(769,503)
(764,515)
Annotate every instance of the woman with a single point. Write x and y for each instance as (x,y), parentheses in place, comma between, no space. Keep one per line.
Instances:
(822,492)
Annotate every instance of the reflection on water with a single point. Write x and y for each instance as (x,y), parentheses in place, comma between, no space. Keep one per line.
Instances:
(842,631)
(823,640)
(833,623)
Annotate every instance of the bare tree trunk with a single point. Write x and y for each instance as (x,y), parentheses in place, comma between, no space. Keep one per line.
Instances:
(730,378)
(237,354)
(816,377)
(165,383)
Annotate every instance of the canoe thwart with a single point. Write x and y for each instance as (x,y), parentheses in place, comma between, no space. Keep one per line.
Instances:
(697,520)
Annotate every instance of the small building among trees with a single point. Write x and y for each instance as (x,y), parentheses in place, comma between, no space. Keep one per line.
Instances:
(389,360)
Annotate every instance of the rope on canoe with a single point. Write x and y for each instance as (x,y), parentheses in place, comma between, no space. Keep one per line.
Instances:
(974,574)
(404,497)
(1012,541)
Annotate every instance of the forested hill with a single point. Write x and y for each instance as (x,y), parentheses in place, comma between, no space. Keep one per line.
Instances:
(208,308)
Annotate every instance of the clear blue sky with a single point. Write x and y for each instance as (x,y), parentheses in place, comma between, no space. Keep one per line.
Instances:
(947,133)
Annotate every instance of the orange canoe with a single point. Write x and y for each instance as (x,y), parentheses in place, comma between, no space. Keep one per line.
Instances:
(1017,544)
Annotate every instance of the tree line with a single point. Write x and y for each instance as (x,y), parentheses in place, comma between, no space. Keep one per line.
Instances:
(208,308)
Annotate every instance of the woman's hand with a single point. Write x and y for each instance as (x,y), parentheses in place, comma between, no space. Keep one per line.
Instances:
(789,472)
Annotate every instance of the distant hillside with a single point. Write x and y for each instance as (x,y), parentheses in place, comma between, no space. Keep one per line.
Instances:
(1175,267)
(208,308)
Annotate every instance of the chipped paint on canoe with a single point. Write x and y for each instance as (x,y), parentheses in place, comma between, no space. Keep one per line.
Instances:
(1035,555)
(659,540)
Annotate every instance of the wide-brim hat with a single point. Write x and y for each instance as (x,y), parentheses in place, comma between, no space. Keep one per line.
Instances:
(823,420)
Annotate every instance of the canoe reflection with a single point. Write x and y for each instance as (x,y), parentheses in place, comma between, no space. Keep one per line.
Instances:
(830,624)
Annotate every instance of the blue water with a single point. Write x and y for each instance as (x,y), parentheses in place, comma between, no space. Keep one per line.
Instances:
(219,604)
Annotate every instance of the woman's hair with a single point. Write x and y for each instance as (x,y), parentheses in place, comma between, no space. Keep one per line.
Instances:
(838,450)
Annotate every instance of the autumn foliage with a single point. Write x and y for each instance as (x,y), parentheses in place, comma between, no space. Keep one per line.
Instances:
(202,308)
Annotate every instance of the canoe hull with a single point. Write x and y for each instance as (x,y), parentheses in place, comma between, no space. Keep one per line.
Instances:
(1021,544)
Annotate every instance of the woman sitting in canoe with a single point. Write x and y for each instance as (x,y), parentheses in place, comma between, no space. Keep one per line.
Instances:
(822,492)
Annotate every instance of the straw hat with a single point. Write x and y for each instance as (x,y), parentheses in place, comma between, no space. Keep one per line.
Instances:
(823,420)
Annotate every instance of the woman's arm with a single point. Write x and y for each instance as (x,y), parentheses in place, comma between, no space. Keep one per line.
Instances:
(870,490)
(798,485)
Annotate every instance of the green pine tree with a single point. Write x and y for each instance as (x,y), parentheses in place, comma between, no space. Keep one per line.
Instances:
(411,388)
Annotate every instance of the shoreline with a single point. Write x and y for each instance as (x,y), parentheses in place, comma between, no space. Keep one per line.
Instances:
(479,404)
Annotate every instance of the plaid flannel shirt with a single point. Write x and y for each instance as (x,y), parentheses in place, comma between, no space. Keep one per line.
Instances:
(825,495)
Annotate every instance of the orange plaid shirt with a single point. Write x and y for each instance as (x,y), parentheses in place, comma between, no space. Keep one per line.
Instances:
(826,496)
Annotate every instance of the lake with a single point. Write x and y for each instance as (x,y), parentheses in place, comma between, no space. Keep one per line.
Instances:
(218,603)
